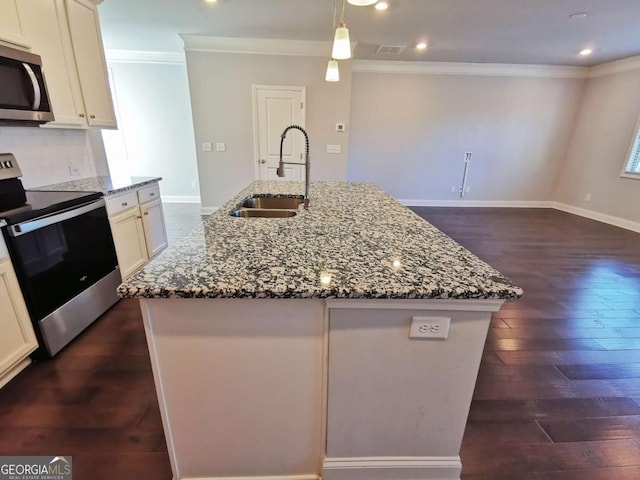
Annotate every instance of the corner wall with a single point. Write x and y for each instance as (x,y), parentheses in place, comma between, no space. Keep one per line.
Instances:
(598,150)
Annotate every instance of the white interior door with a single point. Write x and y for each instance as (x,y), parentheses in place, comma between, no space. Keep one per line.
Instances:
(275,108)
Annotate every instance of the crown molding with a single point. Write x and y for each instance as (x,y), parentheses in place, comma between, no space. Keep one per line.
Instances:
(617,66)
(140,56)
(257,46)
(474,69)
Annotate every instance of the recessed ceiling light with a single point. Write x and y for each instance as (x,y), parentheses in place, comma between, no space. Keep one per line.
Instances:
(585,52)
(382,5)
(362,3)
(421,46)
(578,16)
(211,1)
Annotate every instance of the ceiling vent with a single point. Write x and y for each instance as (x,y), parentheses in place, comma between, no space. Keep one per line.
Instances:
(391,49)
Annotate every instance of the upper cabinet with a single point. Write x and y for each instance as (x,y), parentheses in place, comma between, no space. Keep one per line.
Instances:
(66,34)
(10,24)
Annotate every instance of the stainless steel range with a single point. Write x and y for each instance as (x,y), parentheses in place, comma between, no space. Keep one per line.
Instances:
(62,250)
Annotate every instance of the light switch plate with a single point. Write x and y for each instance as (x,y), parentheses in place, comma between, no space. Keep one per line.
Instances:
(334,148)
(221,147)
(206,147)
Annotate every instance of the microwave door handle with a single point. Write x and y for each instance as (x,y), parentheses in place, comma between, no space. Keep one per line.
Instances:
(35,85)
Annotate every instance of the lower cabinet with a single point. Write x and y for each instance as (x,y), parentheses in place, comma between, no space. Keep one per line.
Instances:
(17,338)
(129,240)
(137,226)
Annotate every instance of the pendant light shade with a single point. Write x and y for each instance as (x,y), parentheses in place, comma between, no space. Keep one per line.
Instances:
(333,74)
(341,43)
(362,3)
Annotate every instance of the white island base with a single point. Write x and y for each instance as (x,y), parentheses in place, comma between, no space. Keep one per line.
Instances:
(284,389)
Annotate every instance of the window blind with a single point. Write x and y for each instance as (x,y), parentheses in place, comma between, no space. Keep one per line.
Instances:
(633,165)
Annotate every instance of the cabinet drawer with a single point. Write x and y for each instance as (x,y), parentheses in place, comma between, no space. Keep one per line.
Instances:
(121,203)
(149,194)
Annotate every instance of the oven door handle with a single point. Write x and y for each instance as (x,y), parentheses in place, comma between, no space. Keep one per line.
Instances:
(32,225)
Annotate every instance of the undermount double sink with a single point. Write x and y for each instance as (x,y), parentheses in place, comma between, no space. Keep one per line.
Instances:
(268,206)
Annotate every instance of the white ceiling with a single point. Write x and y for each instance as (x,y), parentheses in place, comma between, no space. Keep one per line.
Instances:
(493,31)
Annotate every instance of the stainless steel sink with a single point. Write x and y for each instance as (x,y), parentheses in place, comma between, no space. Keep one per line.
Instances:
(286,203)
(263,213)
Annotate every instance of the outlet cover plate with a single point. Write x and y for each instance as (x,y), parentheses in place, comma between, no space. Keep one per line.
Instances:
(429,327)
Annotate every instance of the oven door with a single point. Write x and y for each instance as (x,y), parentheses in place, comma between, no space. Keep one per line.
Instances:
(59,256)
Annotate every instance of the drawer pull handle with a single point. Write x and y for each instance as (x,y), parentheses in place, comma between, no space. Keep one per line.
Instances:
(92,116)
(152,194)
(146,213)
(125,204)
(82,115)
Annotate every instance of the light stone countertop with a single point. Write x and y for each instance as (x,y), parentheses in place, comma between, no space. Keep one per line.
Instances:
(103,184)
(2,223)
(360,241)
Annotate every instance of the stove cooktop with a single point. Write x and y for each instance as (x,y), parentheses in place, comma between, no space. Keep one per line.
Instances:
(42,203)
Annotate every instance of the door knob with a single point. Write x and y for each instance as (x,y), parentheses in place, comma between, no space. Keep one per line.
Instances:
(262,160)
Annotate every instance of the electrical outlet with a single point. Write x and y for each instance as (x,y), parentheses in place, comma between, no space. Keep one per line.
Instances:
(334,148)
(429,327)
(194,185)
(340,127)
(467,190)
(74,170)
(587,197)
(206,147)
(221,147)
(454,189)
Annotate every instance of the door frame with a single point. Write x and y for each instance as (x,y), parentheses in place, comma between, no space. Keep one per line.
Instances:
(256,137)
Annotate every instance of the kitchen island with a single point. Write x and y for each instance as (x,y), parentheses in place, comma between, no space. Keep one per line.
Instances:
(281,347)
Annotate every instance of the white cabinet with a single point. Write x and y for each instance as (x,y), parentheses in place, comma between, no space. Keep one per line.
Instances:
(66,34)
(10,24)
(17,339)
(129,240)
(92,68)
(154,228)
(138,228)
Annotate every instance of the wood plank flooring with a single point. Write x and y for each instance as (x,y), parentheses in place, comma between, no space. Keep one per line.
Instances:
(557,398)
(558,392)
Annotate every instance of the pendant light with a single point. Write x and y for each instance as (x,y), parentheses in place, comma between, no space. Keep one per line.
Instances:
(362,3)
(333,74)
(341,42)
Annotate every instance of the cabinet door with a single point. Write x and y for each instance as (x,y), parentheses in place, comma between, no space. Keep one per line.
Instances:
(17,339)
(154,228)
(92,69)
(10,26)
(128,237)
(45,26)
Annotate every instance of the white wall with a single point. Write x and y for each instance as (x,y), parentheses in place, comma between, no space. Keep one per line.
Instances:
(409,134)
(156,126)
(45,155)
(599,147)
(221,100)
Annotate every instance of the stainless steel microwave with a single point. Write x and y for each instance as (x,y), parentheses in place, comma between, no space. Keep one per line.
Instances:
(24,98)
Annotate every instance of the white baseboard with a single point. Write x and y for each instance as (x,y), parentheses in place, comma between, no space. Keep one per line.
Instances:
(475,203)
(180,198)
(288,477)
(208,210)
(600,217)
(396,468)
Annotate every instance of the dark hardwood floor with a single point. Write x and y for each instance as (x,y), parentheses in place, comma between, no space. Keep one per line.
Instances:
(557,398)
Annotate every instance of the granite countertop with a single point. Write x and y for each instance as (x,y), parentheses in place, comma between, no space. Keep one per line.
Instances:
(104,184)
(354,241)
